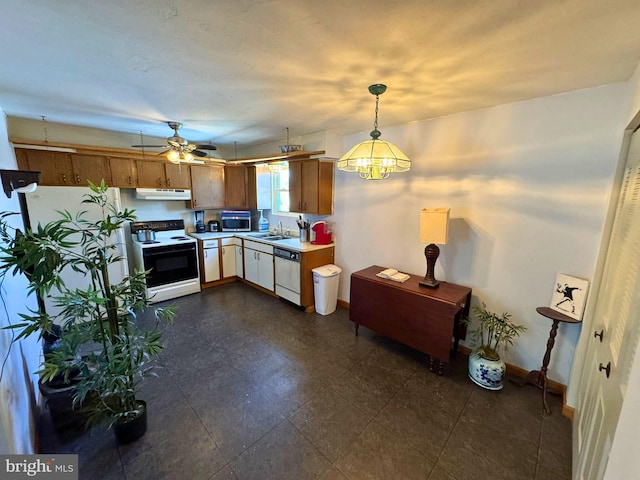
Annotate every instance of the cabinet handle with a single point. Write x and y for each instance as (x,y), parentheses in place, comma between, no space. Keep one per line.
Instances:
(159,182)
(607,369)
(168,182)
(599,334)
(64,178)
(77,178)
(130,182)
(305,206)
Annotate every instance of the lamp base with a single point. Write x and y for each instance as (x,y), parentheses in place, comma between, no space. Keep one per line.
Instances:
(431,252)
(429,283)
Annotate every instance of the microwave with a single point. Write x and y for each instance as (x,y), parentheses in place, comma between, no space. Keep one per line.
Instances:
(236,221)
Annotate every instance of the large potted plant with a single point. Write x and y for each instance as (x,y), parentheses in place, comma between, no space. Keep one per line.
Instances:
(492,333)
(102,345)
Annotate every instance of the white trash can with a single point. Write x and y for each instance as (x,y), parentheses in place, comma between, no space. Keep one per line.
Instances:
(325,288)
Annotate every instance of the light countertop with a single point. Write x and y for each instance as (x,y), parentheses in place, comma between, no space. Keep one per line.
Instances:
(292,243)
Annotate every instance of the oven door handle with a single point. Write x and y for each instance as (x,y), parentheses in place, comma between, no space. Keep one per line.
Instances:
(155,252)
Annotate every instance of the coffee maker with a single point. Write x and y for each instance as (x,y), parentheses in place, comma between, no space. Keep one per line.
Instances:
(200,228)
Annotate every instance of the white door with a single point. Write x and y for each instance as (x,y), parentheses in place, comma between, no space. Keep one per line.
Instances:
(251,265)
(613,339)
(211,265)
(265,271)
(239,262)
(228,261)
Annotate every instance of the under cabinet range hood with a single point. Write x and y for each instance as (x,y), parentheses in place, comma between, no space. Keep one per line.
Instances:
(162,194)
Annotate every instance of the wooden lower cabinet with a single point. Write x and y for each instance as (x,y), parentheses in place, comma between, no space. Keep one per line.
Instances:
(309,261)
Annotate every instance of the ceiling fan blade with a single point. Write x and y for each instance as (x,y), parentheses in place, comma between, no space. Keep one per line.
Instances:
(198,153)
(149,146)
(206,146)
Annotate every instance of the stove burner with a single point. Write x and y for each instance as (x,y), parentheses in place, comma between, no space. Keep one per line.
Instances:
(180,238)
(149,242)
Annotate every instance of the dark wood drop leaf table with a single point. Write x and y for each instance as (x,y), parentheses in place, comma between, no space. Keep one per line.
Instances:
(427,319)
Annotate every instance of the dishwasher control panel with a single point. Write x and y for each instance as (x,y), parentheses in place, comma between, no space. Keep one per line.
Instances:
(288,254)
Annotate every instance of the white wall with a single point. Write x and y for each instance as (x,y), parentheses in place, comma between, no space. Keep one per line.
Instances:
(18,388)
(528,185)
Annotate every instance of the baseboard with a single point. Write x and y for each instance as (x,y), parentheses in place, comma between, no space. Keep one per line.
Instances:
(343,303)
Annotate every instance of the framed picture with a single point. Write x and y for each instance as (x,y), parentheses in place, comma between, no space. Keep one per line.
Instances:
(570,295)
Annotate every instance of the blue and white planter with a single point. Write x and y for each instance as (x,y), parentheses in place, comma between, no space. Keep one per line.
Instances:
(486,373)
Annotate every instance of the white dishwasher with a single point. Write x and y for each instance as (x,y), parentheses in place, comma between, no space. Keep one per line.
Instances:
(287,274)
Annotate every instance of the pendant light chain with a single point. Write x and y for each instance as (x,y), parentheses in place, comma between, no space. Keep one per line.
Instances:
(375,123)
(44,129)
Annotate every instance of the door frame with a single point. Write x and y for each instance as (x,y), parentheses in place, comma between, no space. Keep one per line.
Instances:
(580,360)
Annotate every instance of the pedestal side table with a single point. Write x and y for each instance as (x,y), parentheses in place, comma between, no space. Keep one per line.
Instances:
(539,377)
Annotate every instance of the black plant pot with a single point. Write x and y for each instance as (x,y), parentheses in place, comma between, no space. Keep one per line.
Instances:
(58,398)
(131,430)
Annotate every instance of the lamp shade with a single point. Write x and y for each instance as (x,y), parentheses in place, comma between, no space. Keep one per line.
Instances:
(434,225)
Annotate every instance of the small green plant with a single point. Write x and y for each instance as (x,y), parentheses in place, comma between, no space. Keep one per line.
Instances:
(493,331)
(102,344)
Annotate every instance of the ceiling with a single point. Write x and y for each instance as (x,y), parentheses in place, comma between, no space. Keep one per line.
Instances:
(245,70)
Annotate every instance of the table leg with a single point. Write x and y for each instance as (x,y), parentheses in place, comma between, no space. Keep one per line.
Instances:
(357,325)
(539,378)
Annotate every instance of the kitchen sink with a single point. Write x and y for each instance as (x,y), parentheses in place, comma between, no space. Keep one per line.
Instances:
(275,237)
(259,235)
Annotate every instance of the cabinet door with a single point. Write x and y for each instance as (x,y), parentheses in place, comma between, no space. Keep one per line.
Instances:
(252,187)
(251,265)
(178,176)
(239,262)
(310,177)
(265,271)
(90,167)
(211,265)
(295,187)
(123,172)
(207,186)
(55,167)
(21,158)
(235,186)
(228,261)
(151,174)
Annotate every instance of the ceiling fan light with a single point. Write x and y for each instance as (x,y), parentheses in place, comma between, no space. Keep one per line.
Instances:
(187,156)
(174,156)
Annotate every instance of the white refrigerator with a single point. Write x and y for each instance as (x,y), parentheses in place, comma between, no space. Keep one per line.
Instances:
(42,206)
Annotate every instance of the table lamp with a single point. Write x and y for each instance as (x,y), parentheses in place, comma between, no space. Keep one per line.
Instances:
(434,228)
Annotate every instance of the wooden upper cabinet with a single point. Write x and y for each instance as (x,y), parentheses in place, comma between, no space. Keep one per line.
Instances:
(151,174)
(207,187)
(311,187)
(235,186)
(90,167)
(252,187)
(55,167)
(178,176)
(21,158)
(124,173)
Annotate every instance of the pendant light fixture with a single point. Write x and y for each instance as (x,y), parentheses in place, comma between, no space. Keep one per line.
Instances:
(374,159)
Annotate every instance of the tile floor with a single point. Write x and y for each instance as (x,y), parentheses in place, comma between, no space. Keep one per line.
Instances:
(251,388)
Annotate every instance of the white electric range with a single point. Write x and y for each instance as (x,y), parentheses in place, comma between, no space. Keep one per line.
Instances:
(171,257)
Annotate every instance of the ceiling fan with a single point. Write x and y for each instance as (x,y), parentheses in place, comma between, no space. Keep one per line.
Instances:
(178,149)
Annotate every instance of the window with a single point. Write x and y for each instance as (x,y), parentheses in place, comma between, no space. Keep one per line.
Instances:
(280,188)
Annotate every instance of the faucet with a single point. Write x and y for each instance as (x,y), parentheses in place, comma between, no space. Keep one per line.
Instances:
(281,230)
